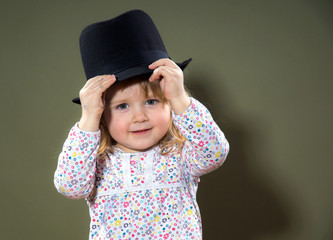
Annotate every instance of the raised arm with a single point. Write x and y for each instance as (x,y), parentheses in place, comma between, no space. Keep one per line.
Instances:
(75,173)
(207,147)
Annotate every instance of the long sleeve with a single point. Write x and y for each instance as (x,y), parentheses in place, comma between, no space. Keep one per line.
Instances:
(207,147)
(75,173)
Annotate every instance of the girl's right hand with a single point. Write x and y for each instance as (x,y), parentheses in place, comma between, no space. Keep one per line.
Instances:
(92,101)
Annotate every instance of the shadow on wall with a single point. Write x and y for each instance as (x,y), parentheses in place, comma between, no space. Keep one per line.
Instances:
(235,202)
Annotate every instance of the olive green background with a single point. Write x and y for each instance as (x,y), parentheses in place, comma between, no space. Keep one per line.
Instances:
(263,68)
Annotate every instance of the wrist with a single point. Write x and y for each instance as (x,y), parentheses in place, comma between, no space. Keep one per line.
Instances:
(180,104)
(89,124)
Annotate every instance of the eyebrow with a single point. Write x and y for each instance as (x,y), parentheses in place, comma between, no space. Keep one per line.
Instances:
(125,100)
(117,101)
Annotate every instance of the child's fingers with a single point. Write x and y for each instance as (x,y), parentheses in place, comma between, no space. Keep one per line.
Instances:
(100,81)
(164,68)
(154,76)
(92,97)
(163,62)
(103,83)
(92,92)
(160,72)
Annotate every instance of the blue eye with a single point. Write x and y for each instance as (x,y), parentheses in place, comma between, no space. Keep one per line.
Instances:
(122,106)
(151,101)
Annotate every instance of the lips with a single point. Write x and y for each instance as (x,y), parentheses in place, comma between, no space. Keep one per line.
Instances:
(141,131)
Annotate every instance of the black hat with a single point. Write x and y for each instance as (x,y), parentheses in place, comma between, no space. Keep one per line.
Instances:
(124,46)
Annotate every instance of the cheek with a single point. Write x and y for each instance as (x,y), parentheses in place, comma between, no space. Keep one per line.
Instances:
(114,123)
(163,118)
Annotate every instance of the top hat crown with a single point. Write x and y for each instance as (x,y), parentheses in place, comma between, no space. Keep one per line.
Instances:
(124,46)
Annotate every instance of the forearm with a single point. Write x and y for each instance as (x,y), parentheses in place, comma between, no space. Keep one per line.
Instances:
(208,147)
(89,124)
(180,104)
(75,173)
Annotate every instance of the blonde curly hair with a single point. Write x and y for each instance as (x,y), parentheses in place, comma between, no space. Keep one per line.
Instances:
(172,141)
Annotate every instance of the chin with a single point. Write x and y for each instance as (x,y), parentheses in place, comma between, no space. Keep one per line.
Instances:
(137,148)
(144,148)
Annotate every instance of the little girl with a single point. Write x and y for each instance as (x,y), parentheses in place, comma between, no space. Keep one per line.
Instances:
(139,149)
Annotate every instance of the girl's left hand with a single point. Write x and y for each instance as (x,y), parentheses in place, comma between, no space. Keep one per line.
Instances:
(172,83)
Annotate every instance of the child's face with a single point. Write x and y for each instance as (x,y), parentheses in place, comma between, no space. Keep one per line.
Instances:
(135,122)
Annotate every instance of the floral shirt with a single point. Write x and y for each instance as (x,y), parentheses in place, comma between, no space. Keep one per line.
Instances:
(143,195)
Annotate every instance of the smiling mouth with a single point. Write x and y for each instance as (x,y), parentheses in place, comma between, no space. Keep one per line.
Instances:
(143,131)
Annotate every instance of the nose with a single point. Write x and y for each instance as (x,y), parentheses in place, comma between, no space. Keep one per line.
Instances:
(139,115)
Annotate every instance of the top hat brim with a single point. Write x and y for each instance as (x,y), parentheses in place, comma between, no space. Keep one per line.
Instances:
(136,71)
